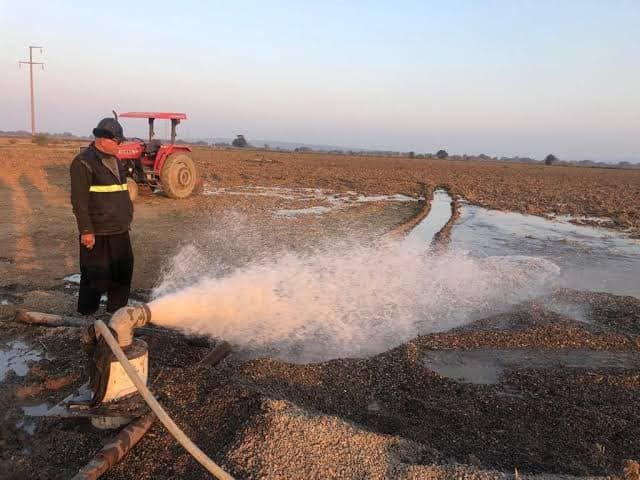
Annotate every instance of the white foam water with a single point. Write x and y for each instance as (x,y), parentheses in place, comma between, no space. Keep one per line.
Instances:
(343,302)
(330,200)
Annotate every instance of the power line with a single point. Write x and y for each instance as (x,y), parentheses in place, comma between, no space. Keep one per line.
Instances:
(31,63)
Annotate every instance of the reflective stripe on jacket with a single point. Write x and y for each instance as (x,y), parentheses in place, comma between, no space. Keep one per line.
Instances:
(108,188)
(99,193)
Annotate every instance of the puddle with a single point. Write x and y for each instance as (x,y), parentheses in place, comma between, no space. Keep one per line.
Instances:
(73,279)
(39,410)
(28,423)
(303,211)
(16,356)
(439,214)
(331,200)
(398,197)
(487,366)
(587,220)
(275,192)
(590,258)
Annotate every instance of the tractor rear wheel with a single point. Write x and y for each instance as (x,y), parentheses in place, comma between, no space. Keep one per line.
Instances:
(178,176)
(132,188)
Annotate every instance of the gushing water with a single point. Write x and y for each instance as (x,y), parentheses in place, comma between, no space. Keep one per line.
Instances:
(344,302)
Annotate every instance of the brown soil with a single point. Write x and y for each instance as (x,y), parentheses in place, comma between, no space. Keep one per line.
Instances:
(42,248)
(387,416)
(36,219)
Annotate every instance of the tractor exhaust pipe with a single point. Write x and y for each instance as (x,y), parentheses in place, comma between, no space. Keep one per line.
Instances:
(126,319)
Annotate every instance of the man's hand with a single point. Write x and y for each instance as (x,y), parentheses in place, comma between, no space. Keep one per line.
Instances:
(88,240)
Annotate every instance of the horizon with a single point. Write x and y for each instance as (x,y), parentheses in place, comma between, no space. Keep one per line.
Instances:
(272,144)
(499,78)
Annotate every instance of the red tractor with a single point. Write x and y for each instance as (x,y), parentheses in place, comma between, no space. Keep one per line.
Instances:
(153,164)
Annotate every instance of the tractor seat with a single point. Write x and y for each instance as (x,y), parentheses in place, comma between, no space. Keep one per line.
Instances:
(152,147)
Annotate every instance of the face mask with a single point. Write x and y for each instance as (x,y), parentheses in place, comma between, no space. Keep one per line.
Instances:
(107,145)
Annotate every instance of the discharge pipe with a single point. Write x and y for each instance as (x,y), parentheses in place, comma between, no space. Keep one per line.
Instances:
(123,322)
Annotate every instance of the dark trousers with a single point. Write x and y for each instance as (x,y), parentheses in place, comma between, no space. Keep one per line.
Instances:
(106,268)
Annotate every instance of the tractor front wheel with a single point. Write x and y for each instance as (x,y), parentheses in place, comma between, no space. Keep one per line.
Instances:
(178,176)
(132,188)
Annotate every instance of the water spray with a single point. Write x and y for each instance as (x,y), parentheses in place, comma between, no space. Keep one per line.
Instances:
(345,301)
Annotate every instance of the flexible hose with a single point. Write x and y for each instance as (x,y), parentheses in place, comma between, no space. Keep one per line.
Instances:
(162,415)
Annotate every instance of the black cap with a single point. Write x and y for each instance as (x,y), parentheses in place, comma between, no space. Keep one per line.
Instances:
(109,128)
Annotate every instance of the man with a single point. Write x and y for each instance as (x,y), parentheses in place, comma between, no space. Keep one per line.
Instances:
(103,212)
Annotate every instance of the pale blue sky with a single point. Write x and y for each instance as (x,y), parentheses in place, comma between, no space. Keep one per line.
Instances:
(496,77)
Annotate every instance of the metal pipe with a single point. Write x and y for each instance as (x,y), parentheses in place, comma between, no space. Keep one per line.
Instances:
(124,320)
(115,450)
(31,95)
(50,319)
(155,406)
(217,354)
(174,122)
(53,320)
(130,435)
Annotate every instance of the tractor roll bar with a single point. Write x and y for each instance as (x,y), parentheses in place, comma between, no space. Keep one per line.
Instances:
(175,118)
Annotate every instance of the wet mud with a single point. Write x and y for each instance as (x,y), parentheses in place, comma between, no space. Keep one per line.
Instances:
(549,387)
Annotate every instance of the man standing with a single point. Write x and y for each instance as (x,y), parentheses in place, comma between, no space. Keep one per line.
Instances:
(103,212)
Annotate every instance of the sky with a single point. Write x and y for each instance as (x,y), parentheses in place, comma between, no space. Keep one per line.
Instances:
(504,78)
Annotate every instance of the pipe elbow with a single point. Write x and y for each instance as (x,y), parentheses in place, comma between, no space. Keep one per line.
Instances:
(126,319)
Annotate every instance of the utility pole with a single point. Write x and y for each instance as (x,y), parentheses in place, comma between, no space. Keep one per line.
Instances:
(31,63)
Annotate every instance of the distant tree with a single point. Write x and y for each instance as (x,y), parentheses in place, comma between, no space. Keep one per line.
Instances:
(40,139)
(240,141)
(411,154)
(550,159)
(442,154)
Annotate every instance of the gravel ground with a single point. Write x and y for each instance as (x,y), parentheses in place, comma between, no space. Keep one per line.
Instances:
(387,416)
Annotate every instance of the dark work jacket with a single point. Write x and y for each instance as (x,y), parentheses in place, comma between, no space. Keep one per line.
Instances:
(99,196)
